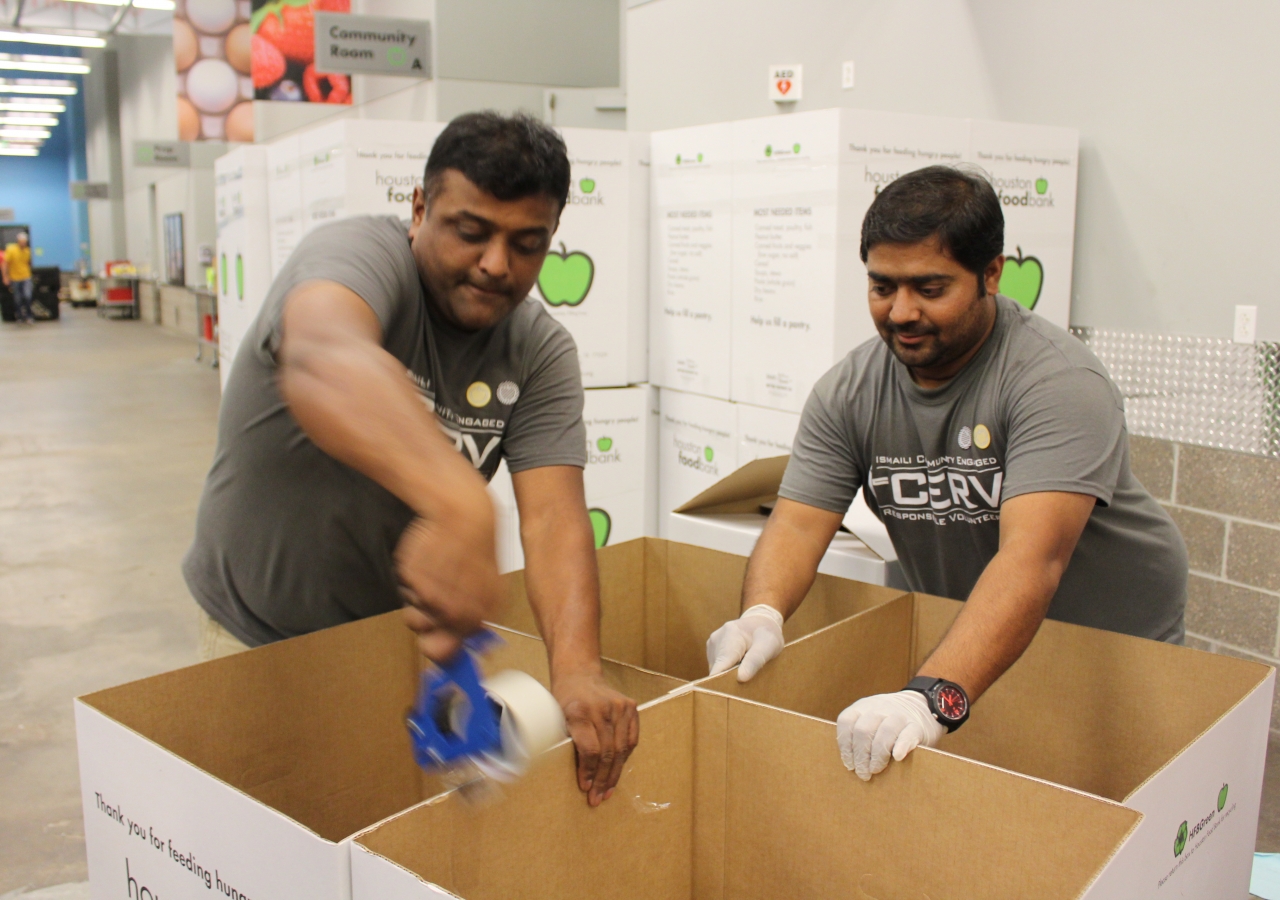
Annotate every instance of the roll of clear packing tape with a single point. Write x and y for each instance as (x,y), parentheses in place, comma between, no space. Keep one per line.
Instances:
(531,722)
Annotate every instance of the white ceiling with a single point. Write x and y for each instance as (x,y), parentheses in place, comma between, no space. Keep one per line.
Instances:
(60,15)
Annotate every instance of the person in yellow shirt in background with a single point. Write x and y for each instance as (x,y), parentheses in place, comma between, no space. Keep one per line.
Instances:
(16,268)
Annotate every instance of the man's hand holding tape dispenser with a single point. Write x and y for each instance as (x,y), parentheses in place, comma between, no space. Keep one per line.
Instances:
(390,371)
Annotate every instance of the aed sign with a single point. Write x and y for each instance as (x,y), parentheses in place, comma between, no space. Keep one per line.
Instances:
(377,45)
(786,82)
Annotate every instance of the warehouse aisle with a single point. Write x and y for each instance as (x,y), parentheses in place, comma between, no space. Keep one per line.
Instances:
(106,431)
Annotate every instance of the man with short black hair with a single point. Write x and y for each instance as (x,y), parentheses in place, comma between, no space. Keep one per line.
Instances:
(389,372)
(992,445)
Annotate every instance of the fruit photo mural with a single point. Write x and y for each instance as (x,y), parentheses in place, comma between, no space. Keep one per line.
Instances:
(565,279)
(601,525)
(211,52)
(284,52)
(1022,279)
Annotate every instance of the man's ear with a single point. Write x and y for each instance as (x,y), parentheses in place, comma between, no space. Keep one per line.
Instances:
(991,275)
(419,210)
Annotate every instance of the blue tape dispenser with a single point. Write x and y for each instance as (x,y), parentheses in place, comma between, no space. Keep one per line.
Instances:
(470,730)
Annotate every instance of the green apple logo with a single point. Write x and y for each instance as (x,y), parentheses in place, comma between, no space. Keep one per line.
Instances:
(708,453)
(239,275)
(566,277)
(587,185)
(395,56)
(677,159)
(1022,279)
(604,445)
(601,525)
(699,157)
(1042,185)
(222,275)
(768,149)
(1180,842)
(1222,798)
(795,148)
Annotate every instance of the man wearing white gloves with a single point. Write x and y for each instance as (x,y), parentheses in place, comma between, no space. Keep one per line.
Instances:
(992,445)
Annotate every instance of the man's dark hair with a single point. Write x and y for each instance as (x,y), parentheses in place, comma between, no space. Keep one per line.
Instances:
(958,207)
(511,157)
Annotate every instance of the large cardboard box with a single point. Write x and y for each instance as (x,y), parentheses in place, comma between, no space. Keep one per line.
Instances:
(1173,733)
(661,600)
(243,246)
(1033,168)
(730,516)
(246,776)
(728,799)
(801,186)
(362,167)
(620,478)
(691,259)
(595,279)
(284,199)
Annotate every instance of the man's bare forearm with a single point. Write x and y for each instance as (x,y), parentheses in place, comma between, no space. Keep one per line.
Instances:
(785,560)
(561,576)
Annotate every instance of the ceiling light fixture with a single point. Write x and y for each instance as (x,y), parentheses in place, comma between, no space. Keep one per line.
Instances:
(19,151)
(32,105)
(25,134)
(60,40)
(40,121)
(165,5)
(25,62)
(37,86)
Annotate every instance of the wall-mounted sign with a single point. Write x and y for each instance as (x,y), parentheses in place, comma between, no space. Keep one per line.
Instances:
(786,82)
(90,190)
(174,154)
(374,44)
(6,214)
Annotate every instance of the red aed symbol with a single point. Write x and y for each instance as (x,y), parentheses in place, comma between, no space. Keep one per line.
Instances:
(784,85)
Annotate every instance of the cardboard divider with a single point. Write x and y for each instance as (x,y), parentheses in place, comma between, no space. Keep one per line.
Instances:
(314,726)
(727,799)
(660,601)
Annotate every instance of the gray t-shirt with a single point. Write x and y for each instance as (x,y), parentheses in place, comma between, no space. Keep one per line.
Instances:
(1033,411)
(288,539)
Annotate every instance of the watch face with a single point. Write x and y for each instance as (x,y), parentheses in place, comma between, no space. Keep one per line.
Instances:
(952,703)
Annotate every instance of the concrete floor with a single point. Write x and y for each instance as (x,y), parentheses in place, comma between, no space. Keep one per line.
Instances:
(106,432)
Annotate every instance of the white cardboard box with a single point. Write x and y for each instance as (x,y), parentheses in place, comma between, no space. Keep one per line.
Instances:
(243,246)
(691,259)
(284,199)
(595,279)
(697,446)
(1034,169)
(363,167)
(621,475)
(801,186)
(250,773)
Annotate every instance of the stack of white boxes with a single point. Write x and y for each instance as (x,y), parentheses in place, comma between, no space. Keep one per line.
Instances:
(242,263)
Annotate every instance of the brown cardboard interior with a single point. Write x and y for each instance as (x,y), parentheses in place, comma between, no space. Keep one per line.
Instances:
(314,726)
(726,799)
(661,600)
(1088,709)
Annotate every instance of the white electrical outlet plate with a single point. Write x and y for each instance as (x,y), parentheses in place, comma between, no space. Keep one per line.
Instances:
(786,82)
(846,75)
(1246,330)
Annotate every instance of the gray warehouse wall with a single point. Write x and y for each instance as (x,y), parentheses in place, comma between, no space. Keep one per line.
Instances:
(1175,107)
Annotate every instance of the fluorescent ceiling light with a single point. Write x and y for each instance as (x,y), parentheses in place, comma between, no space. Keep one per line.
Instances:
(32,105)
(66,65)
(166,5)
(19,151)
(38,121)
(19,134)
(37,86)
(61,40)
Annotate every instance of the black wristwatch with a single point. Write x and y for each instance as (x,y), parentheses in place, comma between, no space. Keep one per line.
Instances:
(947,700)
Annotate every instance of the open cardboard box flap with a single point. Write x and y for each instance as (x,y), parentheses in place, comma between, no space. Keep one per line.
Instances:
(660,601)
(313,727)
(743,490)
(727,799)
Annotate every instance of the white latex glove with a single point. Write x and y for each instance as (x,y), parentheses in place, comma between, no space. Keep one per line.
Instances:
(869,730)
(753,639)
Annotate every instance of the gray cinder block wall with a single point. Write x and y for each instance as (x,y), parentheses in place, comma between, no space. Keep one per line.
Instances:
(1227,506)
